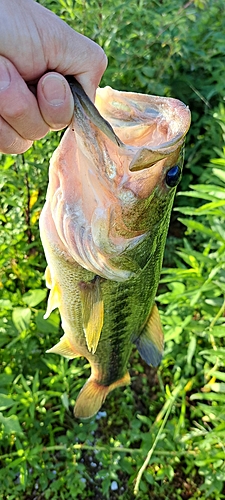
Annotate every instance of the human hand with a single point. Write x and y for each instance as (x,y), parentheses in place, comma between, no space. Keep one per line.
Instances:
(34,41)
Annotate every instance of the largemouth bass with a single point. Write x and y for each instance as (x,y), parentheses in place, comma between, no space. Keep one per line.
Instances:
(112,181)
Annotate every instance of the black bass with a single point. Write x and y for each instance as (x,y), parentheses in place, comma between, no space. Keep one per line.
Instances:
(112,182)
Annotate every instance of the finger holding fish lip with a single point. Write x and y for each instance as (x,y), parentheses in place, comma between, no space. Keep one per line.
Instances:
(55,100)
(18,105)
(10,141)
(25,118)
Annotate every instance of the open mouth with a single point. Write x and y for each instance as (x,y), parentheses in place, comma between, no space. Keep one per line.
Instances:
(152,122)
(135,120)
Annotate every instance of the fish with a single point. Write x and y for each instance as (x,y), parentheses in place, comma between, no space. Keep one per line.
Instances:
(103,227)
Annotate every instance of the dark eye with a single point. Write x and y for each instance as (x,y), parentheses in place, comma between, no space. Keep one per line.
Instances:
(173,176)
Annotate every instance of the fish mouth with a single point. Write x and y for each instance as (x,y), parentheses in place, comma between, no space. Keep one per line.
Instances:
(155,126)
(142,124)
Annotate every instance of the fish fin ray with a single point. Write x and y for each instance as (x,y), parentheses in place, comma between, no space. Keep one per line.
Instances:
(151,340)
(92,312)
(54,296)
(93,394)
(48,277)
(64,348)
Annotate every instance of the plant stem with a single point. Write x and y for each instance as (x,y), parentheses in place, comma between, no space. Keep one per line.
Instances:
(150,453)
(105,449)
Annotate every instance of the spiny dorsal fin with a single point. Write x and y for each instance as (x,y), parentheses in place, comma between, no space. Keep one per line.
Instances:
(92,312)
(64,348)
(151,340)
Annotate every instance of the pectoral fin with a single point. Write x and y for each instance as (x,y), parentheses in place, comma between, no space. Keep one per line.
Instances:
(92,312)
(64,348)
(151,340)
(54,296)
(53,300)
(48,277)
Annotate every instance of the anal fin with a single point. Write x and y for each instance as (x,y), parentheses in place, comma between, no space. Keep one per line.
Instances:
(150,342)
(93,394)
(64,348)
(92,312)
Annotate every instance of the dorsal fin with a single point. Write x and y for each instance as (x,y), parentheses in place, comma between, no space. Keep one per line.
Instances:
(92,312)
(150,342)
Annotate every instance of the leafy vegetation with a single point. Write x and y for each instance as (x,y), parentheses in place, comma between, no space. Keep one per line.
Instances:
(164,436)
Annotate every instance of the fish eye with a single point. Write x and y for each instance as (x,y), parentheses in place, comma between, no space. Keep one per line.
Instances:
(173,176)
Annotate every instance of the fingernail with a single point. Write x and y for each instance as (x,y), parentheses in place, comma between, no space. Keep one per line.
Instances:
(4,77)
(54,90)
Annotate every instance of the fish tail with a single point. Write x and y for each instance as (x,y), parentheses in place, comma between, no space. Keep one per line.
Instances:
(93,394)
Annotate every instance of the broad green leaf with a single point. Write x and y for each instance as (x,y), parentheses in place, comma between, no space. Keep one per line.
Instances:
(5,379)
(211,208)
(191,350)
(21,318)
(216,387)
(214,352)
(213,190)
(173,333)
(193,194)
(199,227)
(219,375)
(207,207)
(10,424)
(189,259)
(23,474)
(5,401)
(36,382)
(218,331)
(49,325)
(210,396)
(65,400)
(145,420)
(214,412)
(5,304)
(34,297)
(220,173)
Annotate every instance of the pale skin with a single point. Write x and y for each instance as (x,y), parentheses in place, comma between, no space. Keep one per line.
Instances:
(36,49)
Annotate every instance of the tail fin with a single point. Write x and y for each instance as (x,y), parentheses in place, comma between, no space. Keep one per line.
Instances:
(92,396)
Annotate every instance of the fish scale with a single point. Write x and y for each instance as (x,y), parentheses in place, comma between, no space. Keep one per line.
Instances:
(118,325)
(103,229)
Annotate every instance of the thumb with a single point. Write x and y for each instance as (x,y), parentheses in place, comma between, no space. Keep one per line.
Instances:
(70,53)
